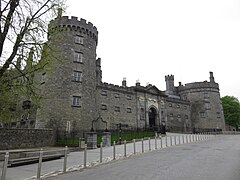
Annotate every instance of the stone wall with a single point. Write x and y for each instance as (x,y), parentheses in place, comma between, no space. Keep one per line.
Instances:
(26,138)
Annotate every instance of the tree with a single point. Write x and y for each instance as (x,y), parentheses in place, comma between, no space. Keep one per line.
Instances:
(231,109)
(23,31)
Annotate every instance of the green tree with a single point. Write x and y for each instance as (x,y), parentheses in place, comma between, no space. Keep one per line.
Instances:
(231,109)
(23,32)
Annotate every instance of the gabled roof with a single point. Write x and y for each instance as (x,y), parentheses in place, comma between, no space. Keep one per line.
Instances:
(150,89)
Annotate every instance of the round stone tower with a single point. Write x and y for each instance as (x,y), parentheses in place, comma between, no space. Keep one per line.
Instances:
(206,106)
(69,79)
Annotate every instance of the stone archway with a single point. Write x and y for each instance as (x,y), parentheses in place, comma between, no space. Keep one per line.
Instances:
(152,116)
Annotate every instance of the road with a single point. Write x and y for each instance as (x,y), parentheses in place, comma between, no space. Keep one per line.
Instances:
(215,159)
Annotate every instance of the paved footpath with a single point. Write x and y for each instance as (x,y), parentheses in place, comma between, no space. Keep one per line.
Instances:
(215,159)
(75,160)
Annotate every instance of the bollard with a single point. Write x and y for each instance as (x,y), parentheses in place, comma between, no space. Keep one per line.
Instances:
(155,142)
(175,140)
(39,164)
(149,143)
(4,170)
(186,138)
(101,152)
(79,144)
(134,146)
(114,150)
(179,140)
(125,148)
(166,141)
(160,137)
(85,156)
(65,159)
(142,146)
(183,139)
(171,140)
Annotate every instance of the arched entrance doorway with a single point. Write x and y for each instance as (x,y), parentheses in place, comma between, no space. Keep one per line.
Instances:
(152,115)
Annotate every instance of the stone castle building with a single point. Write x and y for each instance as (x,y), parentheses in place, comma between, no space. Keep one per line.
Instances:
(74,94)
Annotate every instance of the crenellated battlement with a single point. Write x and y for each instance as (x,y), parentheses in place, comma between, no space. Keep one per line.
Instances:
(169,77)
(199,85)
(73,24)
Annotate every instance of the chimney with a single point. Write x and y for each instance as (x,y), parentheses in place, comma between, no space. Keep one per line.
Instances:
(211,77)
(124,82)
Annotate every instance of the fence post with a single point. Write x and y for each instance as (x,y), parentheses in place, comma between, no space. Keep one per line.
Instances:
(170,140)
(4,170)
(114,150)
(142,146)
(166,141)
(149,143)
(183,139)
(65,159)
(85,156)
(175,140)
(160,141)
(134,146)
(155,142)
(39,164)
(125,148)
(101,152)
(179,140)
(187,138)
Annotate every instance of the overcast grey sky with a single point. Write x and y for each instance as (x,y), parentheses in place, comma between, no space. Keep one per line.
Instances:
(146,40)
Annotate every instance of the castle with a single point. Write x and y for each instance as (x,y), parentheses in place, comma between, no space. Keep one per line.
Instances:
(75,96)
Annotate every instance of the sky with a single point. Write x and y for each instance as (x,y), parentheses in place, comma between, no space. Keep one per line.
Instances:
(147,40)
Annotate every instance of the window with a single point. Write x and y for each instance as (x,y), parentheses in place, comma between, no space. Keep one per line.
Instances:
(76,101)
(179,116)
(117,108)
(77,76)
(185,107)
(129,110)
(171,115)
(103,107)
(78,57)
(178,106)
(205,95)
(186,116)
(202,114)
(170,104)
(78,39)
(117,95)
(207,106)
(104,93)
(129,97)
(218,115)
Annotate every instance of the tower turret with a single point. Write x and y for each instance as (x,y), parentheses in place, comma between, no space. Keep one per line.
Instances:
(70,84)
(169,84)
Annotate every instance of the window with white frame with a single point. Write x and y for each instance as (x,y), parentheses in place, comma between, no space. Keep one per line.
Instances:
(208,106)
(129,97)
(76,100)
(103,107)
(129,110)
(78,39)
(117,108)
(104,93)
(78,57)
(77,76)
(202,115)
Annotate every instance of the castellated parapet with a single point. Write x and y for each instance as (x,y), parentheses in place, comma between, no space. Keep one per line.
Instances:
(73,24)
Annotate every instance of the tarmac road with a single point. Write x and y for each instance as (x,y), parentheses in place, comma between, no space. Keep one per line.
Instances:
(216,159)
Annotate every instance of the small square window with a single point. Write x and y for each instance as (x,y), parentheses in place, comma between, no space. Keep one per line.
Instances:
(185,107)
(178,106)
(129,97)
(170,104)
(78,57)
(76,101)
(78,39)
(171,114)
(117,109)
(103,107)
(77,76)
(104,93)
(117,95)
(202,114)
(186,116)
(129,110)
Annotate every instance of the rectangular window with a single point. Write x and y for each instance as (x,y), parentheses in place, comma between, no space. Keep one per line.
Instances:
(104,93)
(117,108)
(76,101)
(117,95)
(207,106)
(205,95)
(129,110)
(178,106)
(78,39)
(78,57)
(129,97)
(77,76)
(170,104)
(202,114)
(186,116)
(103,107)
